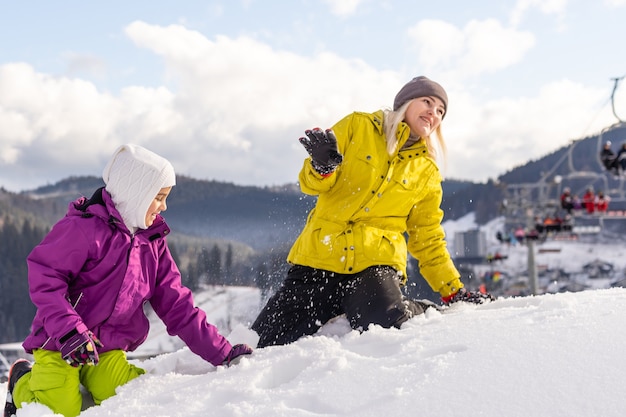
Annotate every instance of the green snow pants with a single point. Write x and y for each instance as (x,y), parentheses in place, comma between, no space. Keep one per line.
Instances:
(56,384)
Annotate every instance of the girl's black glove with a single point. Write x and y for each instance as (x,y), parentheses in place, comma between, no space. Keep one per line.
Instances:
(80,348)
(235,354)
(322,146)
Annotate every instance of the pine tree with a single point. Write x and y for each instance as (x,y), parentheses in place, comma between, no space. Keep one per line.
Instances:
(191,278)
(16,308)
(215,266)
(228,265)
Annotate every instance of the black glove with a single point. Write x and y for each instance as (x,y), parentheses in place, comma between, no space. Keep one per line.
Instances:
(468,296)
(322,146)
(80,348)
(235,354)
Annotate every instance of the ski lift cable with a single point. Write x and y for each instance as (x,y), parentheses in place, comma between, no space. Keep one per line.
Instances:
(616,83)
(558,164)
(593,119)
(600,143)
(575,173)
(569,153)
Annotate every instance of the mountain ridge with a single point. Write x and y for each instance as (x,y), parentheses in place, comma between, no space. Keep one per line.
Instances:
(269,217)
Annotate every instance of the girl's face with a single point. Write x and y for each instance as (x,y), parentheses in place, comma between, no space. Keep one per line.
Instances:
(424,115)
(158,205)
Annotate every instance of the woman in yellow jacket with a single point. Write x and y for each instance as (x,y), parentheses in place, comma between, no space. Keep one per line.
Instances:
(378,192)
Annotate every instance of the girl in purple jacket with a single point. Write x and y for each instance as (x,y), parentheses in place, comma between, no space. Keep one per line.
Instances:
(89,279)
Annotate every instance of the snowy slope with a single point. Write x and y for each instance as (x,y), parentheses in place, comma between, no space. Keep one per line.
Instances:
(547,355)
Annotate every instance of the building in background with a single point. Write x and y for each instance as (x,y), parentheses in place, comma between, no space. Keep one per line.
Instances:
(470,246)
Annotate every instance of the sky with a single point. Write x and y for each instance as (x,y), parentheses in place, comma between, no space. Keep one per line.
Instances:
(224,89)
(547,355)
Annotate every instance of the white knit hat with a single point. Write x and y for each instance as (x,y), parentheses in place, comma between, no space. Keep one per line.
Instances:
(133,177)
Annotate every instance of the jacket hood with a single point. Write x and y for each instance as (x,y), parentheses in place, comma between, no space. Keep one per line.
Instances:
(101,205)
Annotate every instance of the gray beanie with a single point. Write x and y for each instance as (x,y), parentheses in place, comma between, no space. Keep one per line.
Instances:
(420,87)
(133,177)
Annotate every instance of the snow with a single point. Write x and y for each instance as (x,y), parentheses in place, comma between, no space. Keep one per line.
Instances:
(544,355)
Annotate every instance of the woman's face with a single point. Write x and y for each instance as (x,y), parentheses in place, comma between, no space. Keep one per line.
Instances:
(158,205)
(424,115)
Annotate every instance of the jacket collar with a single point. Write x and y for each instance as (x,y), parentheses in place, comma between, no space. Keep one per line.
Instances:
(402,133)
(377,119)
(109,214)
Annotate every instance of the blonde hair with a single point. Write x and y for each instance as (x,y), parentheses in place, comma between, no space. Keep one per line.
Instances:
(437,148)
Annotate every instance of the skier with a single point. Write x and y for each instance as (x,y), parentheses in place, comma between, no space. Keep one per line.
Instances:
(601,202)
(376,178)
(89,279)
(621,157)
(567,201)
(609,159)
(589,200)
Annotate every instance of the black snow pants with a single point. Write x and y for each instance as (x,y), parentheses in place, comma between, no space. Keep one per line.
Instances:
(310,297)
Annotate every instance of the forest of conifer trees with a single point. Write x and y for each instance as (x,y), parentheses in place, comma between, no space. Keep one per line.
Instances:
(16,309)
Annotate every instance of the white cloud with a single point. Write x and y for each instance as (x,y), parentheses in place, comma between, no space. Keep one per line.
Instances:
(437,42)
(547,7)
(505,133)
(343,7)
(233,108)
(57,116)
(241,98)
(480,47)
(84,64)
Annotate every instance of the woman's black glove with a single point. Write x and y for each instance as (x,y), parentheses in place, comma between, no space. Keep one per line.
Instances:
(475,297)
(322,146)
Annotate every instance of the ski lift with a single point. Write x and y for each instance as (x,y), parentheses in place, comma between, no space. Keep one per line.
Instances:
(604,138)
(614,131)
(543,197)
(602,180)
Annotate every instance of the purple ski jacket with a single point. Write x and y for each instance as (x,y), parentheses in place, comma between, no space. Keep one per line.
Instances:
(90,273)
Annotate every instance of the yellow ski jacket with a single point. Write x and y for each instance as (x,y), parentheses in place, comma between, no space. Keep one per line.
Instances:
(375,208)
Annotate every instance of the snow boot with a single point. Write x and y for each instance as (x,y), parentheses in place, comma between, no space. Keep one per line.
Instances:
(19,368)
